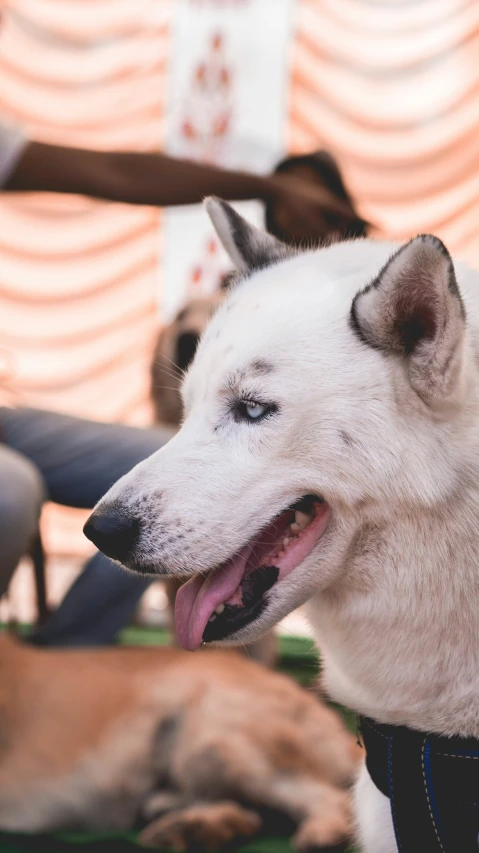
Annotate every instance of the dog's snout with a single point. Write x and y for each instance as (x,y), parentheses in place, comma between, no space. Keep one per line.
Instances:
(113,531)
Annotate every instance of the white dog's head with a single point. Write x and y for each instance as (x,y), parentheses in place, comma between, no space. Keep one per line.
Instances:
(324,396)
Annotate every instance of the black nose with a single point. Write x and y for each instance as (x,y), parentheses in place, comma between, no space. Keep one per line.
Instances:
(113,532)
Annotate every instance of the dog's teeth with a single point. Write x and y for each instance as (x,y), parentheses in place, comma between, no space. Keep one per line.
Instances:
(295,528)
(212,617)
(286,541)
(302,519)
(219,609)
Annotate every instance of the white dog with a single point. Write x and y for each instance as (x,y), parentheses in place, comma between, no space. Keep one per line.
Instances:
(329,454)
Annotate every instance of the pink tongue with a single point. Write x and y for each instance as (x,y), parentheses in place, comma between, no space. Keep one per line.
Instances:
(199,597)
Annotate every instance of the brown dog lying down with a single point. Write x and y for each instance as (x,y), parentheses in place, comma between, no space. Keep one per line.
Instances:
(192,744)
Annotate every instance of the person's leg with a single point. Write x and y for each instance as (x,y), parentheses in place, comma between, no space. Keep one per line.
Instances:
(79,461)
(99,603)
(21,495)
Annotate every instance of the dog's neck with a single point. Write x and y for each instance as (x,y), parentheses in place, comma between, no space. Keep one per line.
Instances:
(410,584)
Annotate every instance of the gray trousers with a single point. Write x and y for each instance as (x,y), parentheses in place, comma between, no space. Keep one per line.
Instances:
(48,456)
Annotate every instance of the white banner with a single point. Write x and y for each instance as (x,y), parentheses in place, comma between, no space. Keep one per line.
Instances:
(227,105)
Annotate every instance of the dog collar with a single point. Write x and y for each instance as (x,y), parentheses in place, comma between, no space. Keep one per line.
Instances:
(432,783)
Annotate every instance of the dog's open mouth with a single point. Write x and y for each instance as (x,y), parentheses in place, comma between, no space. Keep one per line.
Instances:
(233,595)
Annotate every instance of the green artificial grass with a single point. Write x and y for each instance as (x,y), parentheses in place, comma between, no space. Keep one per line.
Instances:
(298,658)
(110,843)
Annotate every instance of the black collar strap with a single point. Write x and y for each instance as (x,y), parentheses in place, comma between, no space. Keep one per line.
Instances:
(432,783)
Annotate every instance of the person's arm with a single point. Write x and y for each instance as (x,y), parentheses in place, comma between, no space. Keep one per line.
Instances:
(134,178)
(156,179)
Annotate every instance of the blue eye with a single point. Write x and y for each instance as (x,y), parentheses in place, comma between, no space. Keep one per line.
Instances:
(252,410)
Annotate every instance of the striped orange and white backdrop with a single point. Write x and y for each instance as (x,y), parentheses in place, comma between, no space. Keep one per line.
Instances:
(391,88)
(78,278)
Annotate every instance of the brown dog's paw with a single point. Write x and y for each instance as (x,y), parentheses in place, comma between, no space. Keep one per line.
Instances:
(208,825)
(328,827)
(327,833)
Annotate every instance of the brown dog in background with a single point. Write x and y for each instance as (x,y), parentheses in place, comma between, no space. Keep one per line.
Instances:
(174,350)
(194,745)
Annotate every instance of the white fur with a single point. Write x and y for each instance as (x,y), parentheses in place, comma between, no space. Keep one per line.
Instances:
(393,585)
(374,823)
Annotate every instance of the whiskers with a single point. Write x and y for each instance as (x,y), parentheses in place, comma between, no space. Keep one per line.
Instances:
(171,372)
(170,367)
(166,387)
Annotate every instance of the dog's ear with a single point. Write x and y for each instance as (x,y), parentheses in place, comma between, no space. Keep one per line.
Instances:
(248,247)
(414,309)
